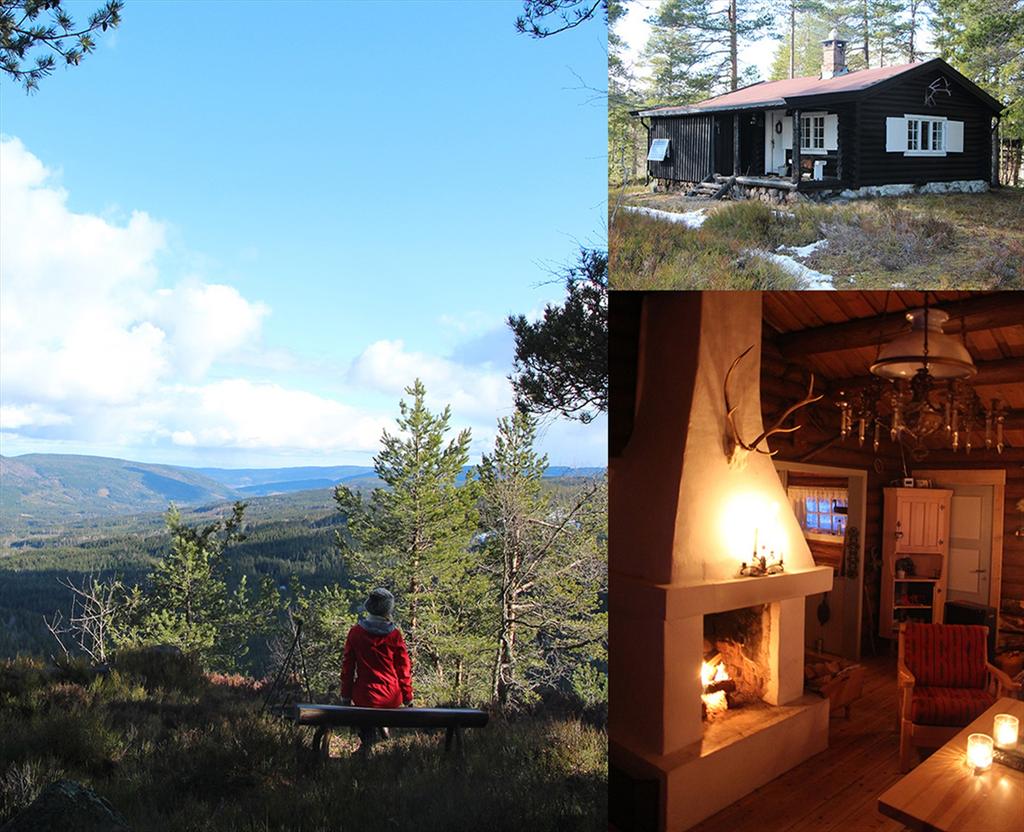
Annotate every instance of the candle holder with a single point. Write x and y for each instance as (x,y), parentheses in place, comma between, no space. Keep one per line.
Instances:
(1005,731)
(979,752)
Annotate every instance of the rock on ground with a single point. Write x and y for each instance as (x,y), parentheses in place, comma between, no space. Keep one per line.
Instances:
(64,806)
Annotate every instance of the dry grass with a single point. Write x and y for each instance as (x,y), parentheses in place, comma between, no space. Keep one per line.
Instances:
(175,757)
(956,241)
(646,253)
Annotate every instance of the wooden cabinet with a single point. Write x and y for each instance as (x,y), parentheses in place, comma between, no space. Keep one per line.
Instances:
(916,527)
(922,520)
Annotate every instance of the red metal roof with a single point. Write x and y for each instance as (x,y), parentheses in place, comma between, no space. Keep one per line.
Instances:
(776,92)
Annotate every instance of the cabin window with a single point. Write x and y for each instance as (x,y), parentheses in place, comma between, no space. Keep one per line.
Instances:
(921,135)
(821,507)
(812,133)
(925,135)
(658,151)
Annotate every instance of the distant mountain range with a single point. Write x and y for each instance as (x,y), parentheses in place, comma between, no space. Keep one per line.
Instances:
(49,488)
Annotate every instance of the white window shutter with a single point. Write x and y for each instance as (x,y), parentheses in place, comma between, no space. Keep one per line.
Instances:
(954,137)
(896,135)
(831,132)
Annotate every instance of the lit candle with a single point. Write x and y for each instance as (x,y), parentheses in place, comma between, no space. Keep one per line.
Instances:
(979,751)
(1005,730)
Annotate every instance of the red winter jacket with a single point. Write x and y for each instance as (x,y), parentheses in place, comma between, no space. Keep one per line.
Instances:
(376,658)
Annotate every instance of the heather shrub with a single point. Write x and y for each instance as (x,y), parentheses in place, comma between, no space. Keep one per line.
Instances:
(161,667)
(21,782)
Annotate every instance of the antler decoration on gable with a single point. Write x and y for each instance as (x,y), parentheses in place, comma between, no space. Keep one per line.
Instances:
(740,449)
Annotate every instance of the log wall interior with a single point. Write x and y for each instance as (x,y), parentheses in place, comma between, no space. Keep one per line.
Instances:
(835,335)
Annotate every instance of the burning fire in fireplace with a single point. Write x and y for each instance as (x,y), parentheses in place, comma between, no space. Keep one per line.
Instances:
(716,683)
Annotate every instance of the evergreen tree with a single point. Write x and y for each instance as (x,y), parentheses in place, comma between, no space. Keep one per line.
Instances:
(561,361)
(548,567)
(627,145)
(716,30)
(544,18)
(43,30)
(811,30)
(412,536)
(984,39)
(187,602)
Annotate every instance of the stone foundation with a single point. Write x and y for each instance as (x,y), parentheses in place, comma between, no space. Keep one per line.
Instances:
(776,196)
(960,186)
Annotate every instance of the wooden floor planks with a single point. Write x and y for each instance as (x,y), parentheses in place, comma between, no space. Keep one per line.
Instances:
(837,790)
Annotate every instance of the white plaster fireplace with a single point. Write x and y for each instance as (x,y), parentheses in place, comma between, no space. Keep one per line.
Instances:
(683,521)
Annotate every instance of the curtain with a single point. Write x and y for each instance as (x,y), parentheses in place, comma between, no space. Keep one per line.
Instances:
(813,508)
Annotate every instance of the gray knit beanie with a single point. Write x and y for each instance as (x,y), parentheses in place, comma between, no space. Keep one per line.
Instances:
(380,602)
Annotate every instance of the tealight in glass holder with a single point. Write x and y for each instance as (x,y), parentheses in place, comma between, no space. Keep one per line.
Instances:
(1005,731)
(979,751)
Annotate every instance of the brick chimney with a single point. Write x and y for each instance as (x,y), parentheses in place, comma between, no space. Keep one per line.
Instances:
(833,58)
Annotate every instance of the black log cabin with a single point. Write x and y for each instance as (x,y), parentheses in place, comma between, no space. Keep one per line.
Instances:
(913,124)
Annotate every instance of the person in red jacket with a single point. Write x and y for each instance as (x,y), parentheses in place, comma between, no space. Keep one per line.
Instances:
(375,669)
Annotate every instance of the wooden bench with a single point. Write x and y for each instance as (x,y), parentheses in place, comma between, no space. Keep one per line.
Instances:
(326,717)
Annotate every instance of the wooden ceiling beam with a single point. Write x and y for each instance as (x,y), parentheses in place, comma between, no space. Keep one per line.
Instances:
(971,315)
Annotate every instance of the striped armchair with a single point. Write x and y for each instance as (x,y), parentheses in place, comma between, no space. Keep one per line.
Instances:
(945,682)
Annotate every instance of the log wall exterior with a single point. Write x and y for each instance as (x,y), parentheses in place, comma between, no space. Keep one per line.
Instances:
(876,166)
(690,148)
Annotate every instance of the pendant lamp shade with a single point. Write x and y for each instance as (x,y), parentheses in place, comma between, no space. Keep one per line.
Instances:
(904,355)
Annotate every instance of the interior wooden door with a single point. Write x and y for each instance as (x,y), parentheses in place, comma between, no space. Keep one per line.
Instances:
(970,544)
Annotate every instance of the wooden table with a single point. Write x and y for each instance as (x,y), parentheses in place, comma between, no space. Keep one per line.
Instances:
(942,793)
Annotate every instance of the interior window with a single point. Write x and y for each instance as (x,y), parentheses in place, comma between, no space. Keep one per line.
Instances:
(820,505)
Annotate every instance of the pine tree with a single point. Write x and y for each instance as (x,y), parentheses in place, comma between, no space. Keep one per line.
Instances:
(984,39)
(548,566)
(561,361)
(714,30)
(43,29)
(412,536)
(187,602)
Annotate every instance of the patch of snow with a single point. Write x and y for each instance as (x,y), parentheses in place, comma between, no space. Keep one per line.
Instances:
(812,279)
(787,214)
(803,251)
(788,263)
(691,219)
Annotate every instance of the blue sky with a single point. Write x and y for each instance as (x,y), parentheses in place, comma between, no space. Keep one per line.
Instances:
(238,230)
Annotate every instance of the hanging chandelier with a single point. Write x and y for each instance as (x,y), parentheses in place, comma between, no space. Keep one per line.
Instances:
(918,391)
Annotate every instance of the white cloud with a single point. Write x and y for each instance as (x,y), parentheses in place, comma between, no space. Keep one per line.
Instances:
(207,322)
(244,414)
(14,417)
(103,353)
(476,392)
(82,317)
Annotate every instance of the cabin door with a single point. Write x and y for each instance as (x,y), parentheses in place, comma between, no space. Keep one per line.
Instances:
(970,543)
(778,138)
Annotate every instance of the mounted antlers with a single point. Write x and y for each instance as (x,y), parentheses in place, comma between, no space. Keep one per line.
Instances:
(741,449)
